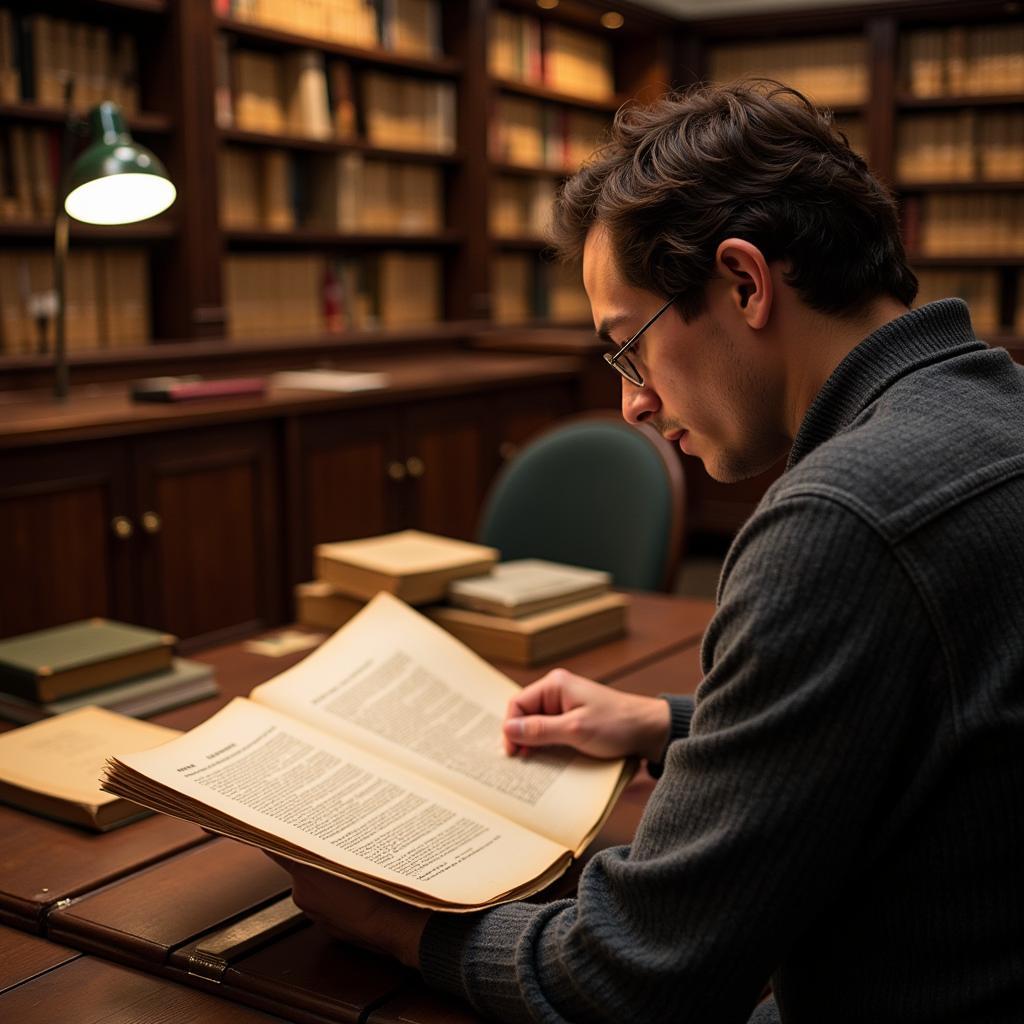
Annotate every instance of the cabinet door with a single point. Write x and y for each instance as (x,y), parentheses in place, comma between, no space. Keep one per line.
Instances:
(346,479)
(65,543)
(210,548)
(446,460)
(523,414)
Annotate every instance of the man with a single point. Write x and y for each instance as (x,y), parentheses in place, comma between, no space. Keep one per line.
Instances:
(843,818)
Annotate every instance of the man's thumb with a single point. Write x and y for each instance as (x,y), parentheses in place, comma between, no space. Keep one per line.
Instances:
(535,730)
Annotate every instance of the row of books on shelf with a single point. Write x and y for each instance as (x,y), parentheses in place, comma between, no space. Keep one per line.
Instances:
(39,53)
(564,59)
(303,94)
(963,61)
(408,27)
(980,289)
(309,294)
(524,611)
(531,134)
(827,69)
(107,300)
(964,224)
(525,289)
(29,169)
(963,146)
(521,206)
(275,190)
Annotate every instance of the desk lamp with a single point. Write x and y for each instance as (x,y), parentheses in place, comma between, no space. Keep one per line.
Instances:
(113,181)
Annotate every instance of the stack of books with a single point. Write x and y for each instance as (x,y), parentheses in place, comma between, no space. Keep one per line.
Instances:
(127,669)
(525,612)
(531,611)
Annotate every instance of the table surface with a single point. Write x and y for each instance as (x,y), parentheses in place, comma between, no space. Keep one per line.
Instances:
(141,893)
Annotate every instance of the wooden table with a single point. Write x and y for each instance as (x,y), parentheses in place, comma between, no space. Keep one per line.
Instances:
(124,914)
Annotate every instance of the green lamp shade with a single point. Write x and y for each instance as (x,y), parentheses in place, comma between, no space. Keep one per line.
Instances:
(115,180)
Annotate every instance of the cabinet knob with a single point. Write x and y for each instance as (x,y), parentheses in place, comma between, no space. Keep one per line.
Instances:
(415,466)
(151,522)
(122,527)
(396,470)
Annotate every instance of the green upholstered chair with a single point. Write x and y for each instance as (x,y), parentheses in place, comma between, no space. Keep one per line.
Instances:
(595,492)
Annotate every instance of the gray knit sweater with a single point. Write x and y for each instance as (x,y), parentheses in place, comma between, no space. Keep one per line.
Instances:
(846,815)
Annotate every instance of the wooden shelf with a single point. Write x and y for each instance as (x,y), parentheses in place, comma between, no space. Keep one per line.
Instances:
(32,231)
(528,172)
(965,261)
(445,67)
(906,102)
(246,138)
(300,238)
(960,186)
(528,242)
(153,124)
(540,92)
(77,8)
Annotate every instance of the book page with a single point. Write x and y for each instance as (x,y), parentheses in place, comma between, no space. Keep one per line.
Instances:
(282,785)
(393,682)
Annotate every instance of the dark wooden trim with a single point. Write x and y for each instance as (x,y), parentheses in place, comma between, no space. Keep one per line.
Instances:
(522,170)
(907,102)
(245,138)
(959,186)
(313,238)
(146,123)
(445,67)
(917,260)
(145,231)
(882,42)
(540,92)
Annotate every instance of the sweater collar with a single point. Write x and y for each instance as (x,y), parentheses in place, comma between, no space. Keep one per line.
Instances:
(925,335)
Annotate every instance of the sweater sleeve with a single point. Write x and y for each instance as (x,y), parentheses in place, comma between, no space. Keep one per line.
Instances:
(814,659)
(680,711)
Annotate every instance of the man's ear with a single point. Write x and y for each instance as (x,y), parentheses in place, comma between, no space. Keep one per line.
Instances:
(745,270)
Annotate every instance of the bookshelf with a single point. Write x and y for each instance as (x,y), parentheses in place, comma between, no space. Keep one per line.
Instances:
(890,73)
(939,120)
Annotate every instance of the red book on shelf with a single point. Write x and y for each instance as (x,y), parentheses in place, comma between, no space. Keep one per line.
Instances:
(184,389)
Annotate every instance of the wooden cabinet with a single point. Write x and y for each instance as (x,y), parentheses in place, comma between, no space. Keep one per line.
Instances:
(176,531)
(62,554)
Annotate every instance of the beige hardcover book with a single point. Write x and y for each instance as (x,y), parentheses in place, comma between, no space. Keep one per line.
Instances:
(415,566)
(44,188)
(342,99)
(21,168)
(378,758)
(46,89)
(127,278)
(307,111)
(578,63)
(526,586)
(501,48)
(82,332)
(258,105)
(274,198)
(53,767)
(410,289)
(319,606)
(541,637)
(419,203)
(414,28)
(10,86)
(512,289)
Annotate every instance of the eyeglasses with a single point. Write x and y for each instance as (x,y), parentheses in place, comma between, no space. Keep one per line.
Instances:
(622,363)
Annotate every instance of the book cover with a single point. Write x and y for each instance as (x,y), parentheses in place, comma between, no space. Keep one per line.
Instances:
(53,767)
(64,660)
(526,586)
(183,683)
(412,565)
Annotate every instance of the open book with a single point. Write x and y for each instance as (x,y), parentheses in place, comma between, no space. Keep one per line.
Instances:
(379,758)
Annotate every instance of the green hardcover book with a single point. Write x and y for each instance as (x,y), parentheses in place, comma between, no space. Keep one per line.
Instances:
(64,660)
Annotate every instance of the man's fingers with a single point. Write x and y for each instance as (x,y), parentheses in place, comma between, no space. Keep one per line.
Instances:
(540,730)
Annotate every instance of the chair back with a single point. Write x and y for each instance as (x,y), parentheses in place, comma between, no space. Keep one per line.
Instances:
(594,492)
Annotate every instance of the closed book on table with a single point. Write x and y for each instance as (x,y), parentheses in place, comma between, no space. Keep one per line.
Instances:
(64,660)
(536,638)
(415,566)
(183,683)
(526,586)
(319,606)
(52,768)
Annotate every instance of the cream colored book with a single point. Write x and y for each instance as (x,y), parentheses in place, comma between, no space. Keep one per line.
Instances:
(527,585)
(378,758)
(543,636)
(415,566)
(53,767)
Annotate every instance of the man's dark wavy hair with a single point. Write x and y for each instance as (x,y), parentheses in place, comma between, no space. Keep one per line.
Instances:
(753,160)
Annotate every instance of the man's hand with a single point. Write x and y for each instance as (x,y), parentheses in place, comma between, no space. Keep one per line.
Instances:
(356,914)
(566,709)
